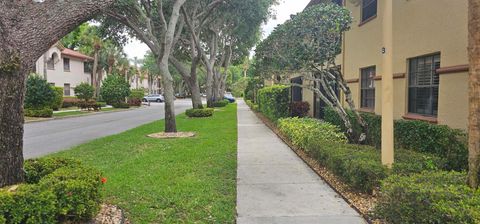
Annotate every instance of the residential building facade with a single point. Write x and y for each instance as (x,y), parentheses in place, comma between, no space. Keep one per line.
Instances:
(430,64)
(65,68)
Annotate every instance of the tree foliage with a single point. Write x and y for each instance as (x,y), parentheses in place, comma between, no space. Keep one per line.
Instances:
(308,44)
(114,89)
(39,94)
(84,91)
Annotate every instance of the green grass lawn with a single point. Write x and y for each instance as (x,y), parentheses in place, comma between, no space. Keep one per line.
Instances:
(170,181)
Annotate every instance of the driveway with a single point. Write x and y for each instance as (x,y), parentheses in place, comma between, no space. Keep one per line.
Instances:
(42,138)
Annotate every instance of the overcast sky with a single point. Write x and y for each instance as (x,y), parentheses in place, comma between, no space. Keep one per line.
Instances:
(283,12)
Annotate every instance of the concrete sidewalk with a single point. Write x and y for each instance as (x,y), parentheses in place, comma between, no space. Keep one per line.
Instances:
(275,186)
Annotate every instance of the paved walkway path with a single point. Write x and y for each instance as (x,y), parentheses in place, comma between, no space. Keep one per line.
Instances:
(275,186)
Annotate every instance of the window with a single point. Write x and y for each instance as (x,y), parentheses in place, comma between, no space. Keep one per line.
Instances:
(66,89)
(297,91)
(367,83)
(423,85)
(50,64)
(66,64)
(369,9)
(87,67)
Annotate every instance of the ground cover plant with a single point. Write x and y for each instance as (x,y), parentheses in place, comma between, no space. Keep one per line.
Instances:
(191,180)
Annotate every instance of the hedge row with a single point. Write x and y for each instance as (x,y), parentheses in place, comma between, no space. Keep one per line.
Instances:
(358,166)
(419,136)
(221,103)
(252,105)
(205,112)
(274,101)
(430,197)
(45,112)
(56,190)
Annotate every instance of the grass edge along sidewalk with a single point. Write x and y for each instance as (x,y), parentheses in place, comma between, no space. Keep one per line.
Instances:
(173,180)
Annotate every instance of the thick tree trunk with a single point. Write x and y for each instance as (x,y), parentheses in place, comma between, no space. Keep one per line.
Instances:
(168,93)
(210,92)
(474,94)
(196,96)
(12,93)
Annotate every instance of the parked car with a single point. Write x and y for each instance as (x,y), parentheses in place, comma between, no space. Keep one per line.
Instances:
(229,97)
(154,98)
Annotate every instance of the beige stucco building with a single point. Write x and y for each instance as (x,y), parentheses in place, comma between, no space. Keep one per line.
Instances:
(64,68)
(429,62)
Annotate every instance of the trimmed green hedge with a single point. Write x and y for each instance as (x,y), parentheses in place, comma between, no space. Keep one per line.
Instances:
(361,166)
(301,131)
(420,136)
(221,103)
(430,197)
(274,101)
(252,105)
(45,112)
(206,112)
(58,101)
(121,105)
(56,190)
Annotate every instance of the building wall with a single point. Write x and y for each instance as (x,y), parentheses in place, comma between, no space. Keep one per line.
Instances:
(421,27)
(60,77)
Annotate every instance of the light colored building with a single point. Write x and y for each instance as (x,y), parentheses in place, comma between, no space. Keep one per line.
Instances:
(65,68)
(430,64)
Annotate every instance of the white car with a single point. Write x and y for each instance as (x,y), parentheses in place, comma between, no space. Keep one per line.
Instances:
(154,98)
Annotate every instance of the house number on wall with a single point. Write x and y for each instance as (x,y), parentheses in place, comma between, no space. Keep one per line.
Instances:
(384,50)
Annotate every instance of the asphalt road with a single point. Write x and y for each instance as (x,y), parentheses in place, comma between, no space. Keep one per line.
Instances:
(42,138)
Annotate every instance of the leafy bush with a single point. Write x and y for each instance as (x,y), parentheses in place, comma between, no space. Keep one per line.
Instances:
(361,168)
(137,94)
(206,112)
(84,91)
(299,109)
(274,102)
(45,112)
(39,93)
(252,105)
(121,105)
(101,104)
(301,131)
(90,105)
(430,197)
(69,101)
(114,89)
(56,190)
(221,103)
(134,102)
(420,136)
(58,101)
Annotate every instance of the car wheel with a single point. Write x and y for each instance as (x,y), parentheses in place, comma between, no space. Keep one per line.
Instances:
(145,100)
(159,100)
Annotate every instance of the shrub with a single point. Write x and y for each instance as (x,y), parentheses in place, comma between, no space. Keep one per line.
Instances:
(84,91)
(69,101)
(45,112)
(252,105)
(137,94)
(90,105)
(419,136)
(299,109)
(361,168)
(274,102)
(206,112)
(121,105)
(221,103)
(114,89)
(56,190)
(134,102)
(101,104)
(39,93)
(430,197)
(301,131)
(58,101)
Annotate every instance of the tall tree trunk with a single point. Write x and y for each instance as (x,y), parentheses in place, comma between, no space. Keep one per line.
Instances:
(12,93)
(95,73)
(168,93)
(195,89)
(474,94)
(210,80)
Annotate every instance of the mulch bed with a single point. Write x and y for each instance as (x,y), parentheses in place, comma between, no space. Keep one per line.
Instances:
(165,135)
(363,203)
(110,214)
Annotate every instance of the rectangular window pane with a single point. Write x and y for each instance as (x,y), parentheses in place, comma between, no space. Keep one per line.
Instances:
(367,84)
(66,64)
(66,89)
(423,85)
(369,9)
